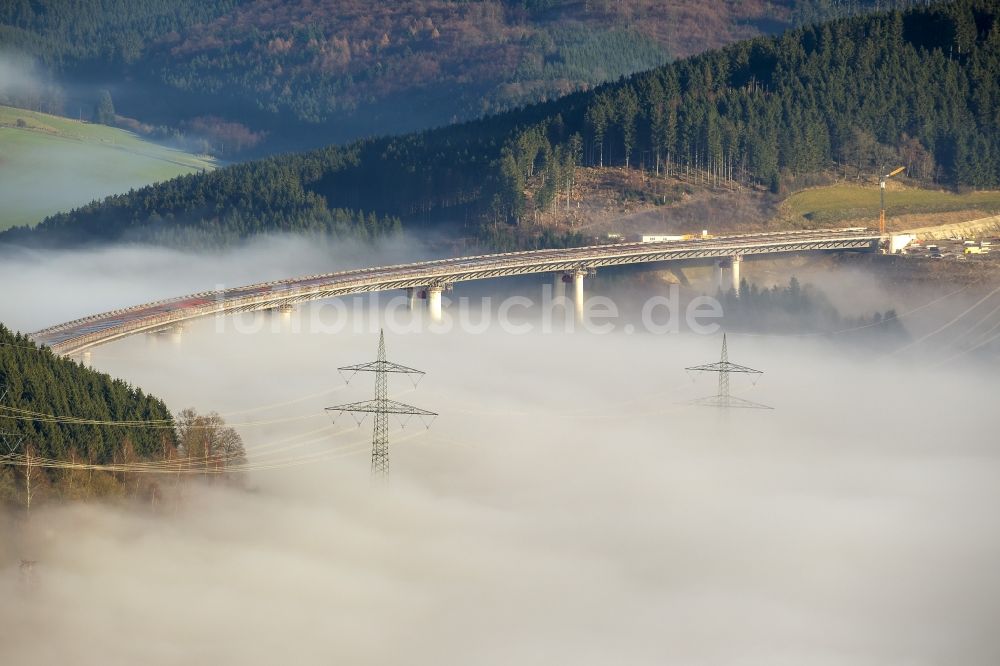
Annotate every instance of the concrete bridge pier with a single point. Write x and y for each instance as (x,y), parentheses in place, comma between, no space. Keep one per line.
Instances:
(434,301)
(578,297)
(735,262)
(558,286)
(411,299)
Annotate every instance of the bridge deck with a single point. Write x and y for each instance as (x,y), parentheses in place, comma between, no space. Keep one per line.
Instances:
(77,335)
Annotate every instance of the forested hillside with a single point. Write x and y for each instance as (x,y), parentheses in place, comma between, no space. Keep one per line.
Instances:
(919,87)
(38,384)
(258,75)
(215,208)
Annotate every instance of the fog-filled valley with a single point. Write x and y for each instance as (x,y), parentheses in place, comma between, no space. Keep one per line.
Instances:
(568,504)
(501,332)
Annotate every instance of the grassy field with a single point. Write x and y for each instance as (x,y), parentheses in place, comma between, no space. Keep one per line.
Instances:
(843,203)
(49,164)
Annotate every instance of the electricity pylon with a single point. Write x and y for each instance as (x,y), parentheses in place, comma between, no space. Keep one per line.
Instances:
(11,441)
(724,367)
(381,406)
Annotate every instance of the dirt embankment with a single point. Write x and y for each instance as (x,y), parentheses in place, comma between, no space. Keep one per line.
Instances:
(959,229)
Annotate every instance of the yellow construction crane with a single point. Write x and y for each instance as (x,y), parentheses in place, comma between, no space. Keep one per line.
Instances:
(881,185)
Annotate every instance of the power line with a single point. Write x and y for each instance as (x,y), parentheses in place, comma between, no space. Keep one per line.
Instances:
(28,415)
(381,406)
(981,341)
(195,466)
(723,398)
(948,324)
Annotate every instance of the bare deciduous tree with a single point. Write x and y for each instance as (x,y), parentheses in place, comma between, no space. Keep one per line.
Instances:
(206,441)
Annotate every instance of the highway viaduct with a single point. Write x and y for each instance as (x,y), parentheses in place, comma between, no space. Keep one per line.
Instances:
(437,275)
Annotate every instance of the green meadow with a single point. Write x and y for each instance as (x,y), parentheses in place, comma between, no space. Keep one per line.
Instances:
(842,203)
(50,164)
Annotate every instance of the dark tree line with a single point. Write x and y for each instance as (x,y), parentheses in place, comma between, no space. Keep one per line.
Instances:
(38,381)
(803,309)
(57,409)
(922,86)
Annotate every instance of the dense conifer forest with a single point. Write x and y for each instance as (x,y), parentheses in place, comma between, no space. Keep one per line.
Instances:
(49,409)
(73,433)
(246,77)
(40,383)
(918,87)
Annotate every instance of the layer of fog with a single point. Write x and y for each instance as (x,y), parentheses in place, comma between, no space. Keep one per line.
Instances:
(19,75)
(58,286)
(567,506)
(13,79)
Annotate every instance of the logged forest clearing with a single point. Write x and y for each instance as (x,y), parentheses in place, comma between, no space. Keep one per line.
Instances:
(630,202)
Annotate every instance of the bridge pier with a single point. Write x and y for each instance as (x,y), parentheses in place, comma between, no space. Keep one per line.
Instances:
(558,286)
(578,297)
(434,301)
(578,276)
(411,299)
(735,262)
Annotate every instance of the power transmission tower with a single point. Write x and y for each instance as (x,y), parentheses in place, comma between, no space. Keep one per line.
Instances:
(9,440)
(724,367)
(382,406)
